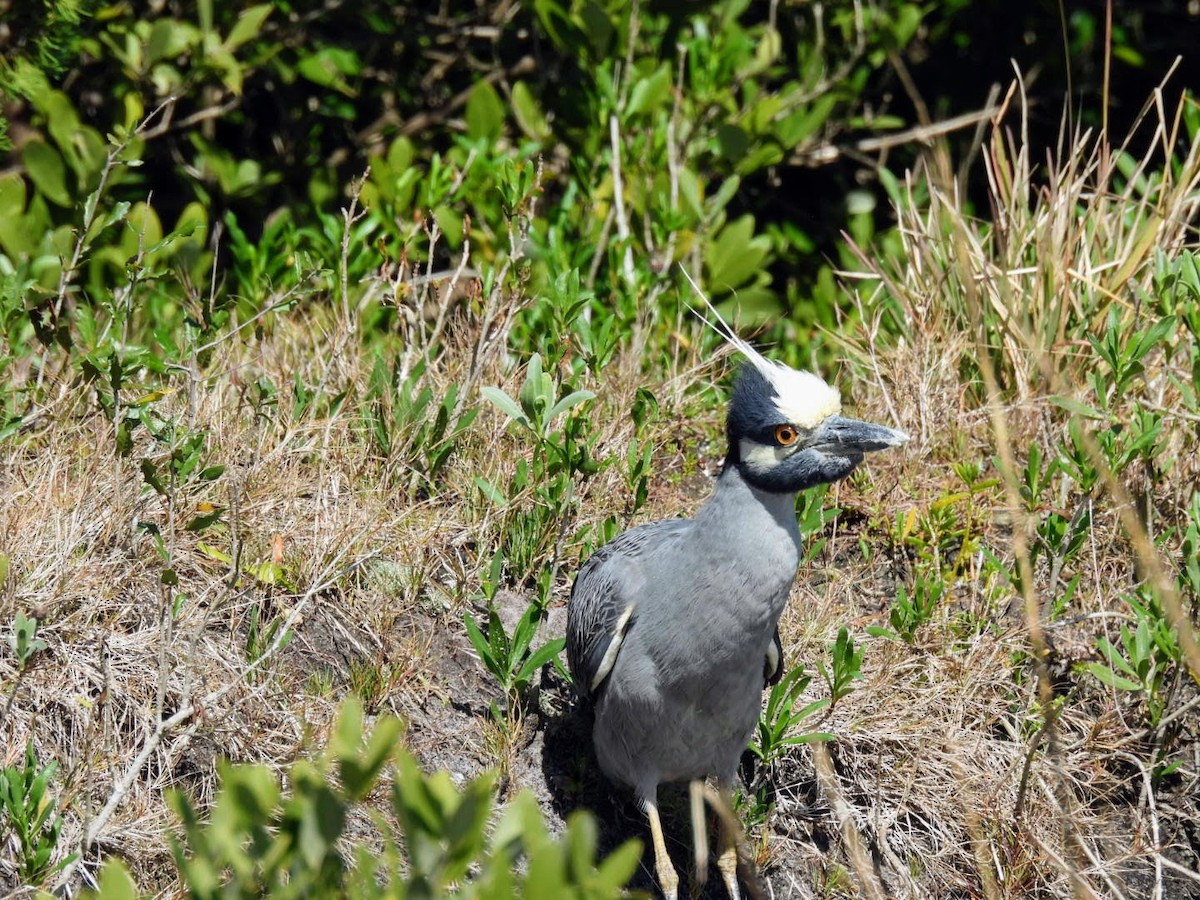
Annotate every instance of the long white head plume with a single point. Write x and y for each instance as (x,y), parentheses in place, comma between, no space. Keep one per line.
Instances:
(801,398)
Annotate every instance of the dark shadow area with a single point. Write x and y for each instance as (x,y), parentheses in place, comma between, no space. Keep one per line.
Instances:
(574,781)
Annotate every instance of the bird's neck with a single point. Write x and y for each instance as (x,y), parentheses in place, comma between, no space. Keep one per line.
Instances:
(753,537)
(753,513)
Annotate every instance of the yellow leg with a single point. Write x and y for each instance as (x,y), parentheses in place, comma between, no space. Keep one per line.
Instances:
(699,835)
(668,880)
(729,837)
(727,864)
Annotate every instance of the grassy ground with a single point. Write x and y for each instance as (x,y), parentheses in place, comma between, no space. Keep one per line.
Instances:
(1020,580)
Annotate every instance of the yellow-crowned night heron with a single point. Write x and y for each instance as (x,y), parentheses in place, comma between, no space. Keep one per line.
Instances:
(671,626)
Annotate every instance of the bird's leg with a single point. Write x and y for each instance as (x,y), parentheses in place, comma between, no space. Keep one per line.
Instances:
(727,858)
(729,837)
(699,834)
(668,880)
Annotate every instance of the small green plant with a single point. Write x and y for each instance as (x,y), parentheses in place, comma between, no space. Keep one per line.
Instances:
(912,609)
(1124,437)
(813,515)
(510,658)
(373,681)
(536,406)
(1124,353)
(539,500)
(1145,660)
(408,422)
(780,719)
(262,840)
(845,667)
(262,635)
(23,641)
(27,817)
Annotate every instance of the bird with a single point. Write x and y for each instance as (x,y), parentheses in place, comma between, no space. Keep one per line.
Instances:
(672,626)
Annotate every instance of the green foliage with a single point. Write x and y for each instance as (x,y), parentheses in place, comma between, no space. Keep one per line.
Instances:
(537,407)
(1189,555)
(263,631)
(23,641)
(409,424)
(812,515)
(28,819)
(844,668)
(738,96)
(912,608)
(262,840)
(1145,661)
(539,500)
(780,718)
(511,659)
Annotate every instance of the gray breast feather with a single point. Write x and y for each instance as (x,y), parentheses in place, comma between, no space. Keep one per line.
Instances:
(604,599)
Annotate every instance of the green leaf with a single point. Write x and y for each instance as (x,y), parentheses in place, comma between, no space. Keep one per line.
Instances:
(618,867)
(520,824)
(733,141)
(115,882)
(249,795)
(649,93)
(327,68)
(598,28)
(347,731)
(151,477)
(47,171)
(361,772)
(504,403)
(736,255)
(82,147)
(794,129)
(248,25)
(481,644)
(1113,655)
(485,113)
(321,820)
(490,491)
(1111,678)
(540,657)
(770,46)
(168,39)
(1077,407)
(466,827)
(571,400)
(19,231)
(205,519)
(532,396)
(528,113)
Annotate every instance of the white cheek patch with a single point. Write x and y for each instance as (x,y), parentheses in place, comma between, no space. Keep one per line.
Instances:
(763,458)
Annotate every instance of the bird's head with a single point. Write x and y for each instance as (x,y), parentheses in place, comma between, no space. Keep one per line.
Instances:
(786,431)
(785,427)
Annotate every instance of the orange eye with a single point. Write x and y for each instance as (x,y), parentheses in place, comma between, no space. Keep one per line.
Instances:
(786,435)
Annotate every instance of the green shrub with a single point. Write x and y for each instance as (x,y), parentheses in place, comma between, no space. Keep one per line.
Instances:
(261,839)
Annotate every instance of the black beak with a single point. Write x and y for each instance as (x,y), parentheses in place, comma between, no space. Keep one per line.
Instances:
(843,436)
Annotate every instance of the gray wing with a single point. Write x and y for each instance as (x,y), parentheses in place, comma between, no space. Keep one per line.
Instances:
(604,600)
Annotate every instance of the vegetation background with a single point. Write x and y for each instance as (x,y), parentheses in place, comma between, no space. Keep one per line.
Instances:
(335,335)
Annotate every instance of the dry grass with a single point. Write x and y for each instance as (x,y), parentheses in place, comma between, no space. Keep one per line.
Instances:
(965,764)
